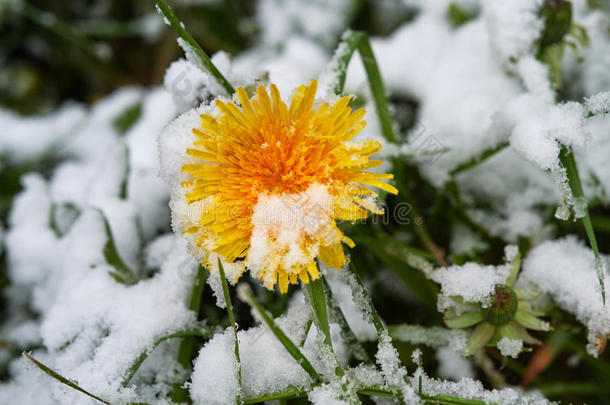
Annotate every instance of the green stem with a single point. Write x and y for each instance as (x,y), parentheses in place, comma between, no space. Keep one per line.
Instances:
(187,346)
(377,321)
(346,331)
(377,88)
(227,296)
(317,300)
(566,157)
(205,61)
(352,40)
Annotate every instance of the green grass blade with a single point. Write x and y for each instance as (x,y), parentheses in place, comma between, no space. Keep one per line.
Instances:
(187,334)
(567,160)
(52,373)
(317,300)
(441,399)
(483,156)
(187,346)
(227,296)
(346,331)
(290,347)
(290,393)
(122,273)
(350,41)
(124,121)
(377,88)
(202,57)
(376,319)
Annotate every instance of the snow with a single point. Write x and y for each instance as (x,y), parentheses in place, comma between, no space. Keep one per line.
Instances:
(394,373)
(452,365)
(320,20)
(471,389)
(513,26)
(566,270)
(473,282)
(454,339)
(282,227)
(598,103)
(352,301)
(509,347)
(214,378)
(24,139)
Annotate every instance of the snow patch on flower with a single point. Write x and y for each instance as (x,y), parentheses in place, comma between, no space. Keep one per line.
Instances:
(284,227)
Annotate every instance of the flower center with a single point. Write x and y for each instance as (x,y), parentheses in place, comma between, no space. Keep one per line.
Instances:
(503,307)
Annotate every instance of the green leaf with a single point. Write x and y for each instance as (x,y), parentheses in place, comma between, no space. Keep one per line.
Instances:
(479,338)
(204,60)
(122,273)
(465,320)
(69,213)
(530,321)
(290,347)
(125,120)
(125,180)
(507,331)
(52,373)
(227,296)
(457,15)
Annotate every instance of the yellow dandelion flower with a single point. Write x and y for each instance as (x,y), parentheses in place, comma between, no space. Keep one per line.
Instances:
(267,183)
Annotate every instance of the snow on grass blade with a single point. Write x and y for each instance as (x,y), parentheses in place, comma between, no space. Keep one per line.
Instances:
(204,60)
(187,346)
(52,373)
(288,394)
(123,274)
(227,296)
(566,157)
(202,332)
(246,295)
(317,300)
(361,297)
(350,41)
(441,399)
(346,331)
